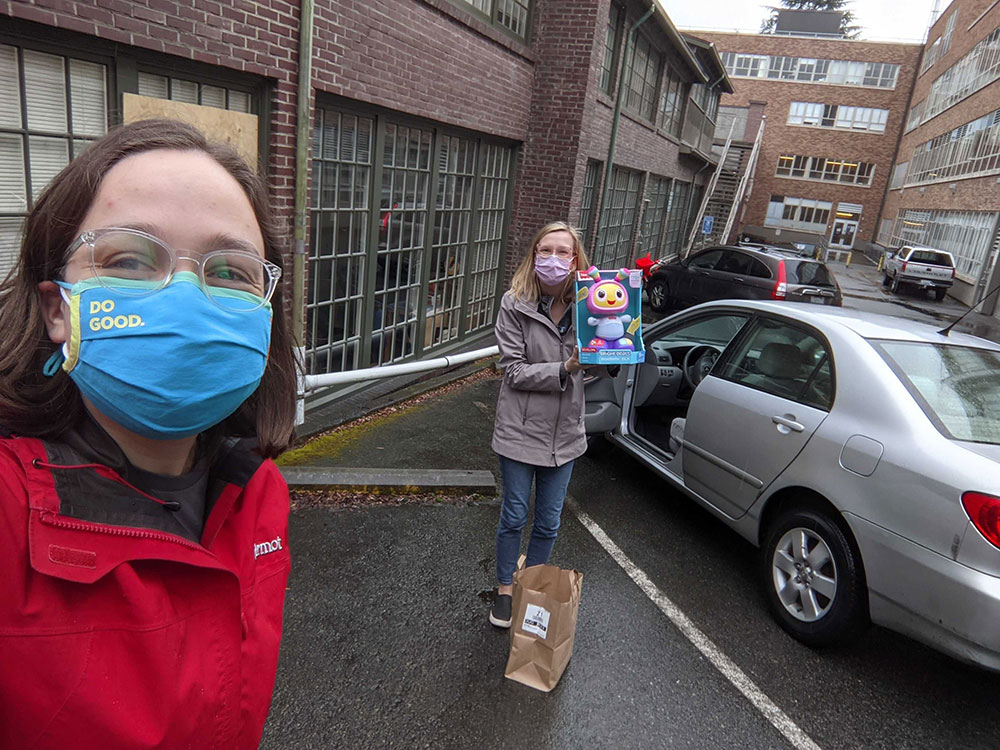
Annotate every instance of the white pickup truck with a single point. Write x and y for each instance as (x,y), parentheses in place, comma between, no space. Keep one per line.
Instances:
(919,267)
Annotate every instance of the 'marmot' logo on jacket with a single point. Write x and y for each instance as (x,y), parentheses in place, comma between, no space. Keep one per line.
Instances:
(266,548)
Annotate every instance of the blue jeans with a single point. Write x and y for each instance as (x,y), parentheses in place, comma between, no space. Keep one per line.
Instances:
(550,492)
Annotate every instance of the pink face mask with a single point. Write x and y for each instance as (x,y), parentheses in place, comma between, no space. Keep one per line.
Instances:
(553,270)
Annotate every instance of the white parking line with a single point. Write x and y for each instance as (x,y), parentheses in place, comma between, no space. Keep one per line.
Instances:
(778,718)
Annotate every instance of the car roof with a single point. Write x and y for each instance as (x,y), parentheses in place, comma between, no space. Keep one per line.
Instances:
(924,247)
(865,324)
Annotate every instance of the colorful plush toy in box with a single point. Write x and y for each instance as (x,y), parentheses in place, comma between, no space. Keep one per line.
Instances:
(609,316)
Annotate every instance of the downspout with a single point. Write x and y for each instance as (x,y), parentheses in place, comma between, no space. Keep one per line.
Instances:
(302,147)
(614,123)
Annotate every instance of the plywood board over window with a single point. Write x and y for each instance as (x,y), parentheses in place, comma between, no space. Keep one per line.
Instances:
(238,129)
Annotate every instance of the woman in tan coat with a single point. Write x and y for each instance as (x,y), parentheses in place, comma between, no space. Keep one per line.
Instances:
(539,424)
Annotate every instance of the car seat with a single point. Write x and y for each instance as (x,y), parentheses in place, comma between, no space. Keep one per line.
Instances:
(780,369)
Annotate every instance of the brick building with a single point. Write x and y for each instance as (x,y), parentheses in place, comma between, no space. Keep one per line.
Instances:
(944,189)
(441,135)
(834,110)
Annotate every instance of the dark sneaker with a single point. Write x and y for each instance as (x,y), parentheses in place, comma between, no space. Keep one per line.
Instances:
(500,614)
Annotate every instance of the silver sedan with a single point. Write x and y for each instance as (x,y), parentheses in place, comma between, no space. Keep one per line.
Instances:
(859,452)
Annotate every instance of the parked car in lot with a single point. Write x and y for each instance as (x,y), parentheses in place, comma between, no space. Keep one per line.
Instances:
(923,268)
(733,272)
(859,452)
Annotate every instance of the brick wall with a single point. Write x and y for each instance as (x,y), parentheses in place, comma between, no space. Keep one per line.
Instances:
(427,58)
(780,138)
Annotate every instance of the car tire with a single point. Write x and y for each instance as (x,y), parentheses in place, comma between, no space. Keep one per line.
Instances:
(818,607)
(895,285)
(940,293)
(658,293)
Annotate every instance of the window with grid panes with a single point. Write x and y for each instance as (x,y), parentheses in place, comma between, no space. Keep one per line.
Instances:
(487,251)
(968,235)
(408,227)
(51,108)
(511,15)
(978,68)
(399,258)
(972,149)
(672,98)
(590,179)
(612,38)
(450,238)
(643,73)
(340,207)
(677,209)
(618,222)
(193,92)
(654,216)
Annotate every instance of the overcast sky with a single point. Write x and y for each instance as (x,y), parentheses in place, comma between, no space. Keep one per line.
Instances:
(886,20)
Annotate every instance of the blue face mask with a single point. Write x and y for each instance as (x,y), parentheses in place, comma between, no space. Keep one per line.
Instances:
(164,365)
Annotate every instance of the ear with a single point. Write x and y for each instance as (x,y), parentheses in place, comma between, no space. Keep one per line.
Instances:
(54,311)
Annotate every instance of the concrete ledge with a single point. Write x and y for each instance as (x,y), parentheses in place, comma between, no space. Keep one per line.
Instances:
(391,481)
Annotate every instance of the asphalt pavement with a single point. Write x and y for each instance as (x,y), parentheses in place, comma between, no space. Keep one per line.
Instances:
(387,645)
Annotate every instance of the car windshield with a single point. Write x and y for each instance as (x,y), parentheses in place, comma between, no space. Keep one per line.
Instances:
(958,387)
(718,329)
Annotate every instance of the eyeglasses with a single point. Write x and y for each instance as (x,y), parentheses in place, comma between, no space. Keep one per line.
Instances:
(227,276)
(563,253)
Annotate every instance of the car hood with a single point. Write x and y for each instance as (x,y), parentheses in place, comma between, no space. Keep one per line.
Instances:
(987,450)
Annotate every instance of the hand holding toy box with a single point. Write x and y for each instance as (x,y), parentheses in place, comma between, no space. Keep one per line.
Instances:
(608,315)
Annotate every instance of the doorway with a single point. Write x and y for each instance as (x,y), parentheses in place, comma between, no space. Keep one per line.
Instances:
(842,236)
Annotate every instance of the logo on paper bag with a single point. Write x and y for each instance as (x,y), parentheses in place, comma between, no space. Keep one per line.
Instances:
(536,620)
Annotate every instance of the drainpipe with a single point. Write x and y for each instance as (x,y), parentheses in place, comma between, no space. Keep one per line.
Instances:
(303,136)
(614,123)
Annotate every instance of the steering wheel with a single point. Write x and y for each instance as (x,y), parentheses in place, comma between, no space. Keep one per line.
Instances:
(698,362)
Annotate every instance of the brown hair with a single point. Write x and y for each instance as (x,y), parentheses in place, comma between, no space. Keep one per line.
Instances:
(525,286)
(39,406)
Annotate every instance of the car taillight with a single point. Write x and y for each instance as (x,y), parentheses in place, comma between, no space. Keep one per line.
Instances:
(903,267)
(984,512)
(780,287)
(953,273)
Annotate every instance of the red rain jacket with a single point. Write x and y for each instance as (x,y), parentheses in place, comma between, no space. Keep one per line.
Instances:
(123,637)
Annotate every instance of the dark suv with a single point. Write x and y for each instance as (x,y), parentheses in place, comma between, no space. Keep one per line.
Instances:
(730,272)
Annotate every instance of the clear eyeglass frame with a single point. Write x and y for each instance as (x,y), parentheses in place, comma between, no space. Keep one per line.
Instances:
(271,272)
(546,253)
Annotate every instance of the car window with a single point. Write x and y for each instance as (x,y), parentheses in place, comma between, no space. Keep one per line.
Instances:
(931,257)
(958,387)
(711,329)
(813,273)
(784,360)
(733,262)
(758,269)
(707,259)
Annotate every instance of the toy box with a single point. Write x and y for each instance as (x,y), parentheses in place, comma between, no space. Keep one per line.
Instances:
(608,316)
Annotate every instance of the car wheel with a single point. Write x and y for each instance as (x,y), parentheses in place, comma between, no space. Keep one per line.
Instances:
(939,294)
(814,579)
(895,285)
(657,291)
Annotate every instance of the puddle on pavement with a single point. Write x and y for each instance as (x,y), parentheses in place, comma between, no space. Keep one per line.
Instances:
(489,596)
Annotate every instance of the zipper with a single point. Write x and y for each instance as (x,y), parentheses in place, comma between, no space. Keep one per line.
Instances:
(52,519)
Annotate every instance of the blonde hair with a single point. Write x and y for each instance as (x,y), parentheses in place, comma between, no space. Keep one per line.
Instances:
(525,285)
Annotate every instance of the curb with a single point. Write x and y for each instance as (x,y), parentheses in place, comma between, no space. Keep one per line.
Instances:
(392,481)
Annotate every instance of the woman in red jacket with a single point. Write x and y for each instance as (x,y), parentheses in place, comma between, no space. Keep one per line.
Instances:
(144,386)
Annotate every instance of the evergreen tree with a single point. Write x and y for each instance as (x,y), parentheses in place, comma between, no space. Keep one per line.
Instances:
(847,26)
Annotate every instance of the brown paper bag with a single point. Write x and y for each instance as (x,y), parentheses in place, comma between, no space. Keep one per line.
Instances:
(546,600)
